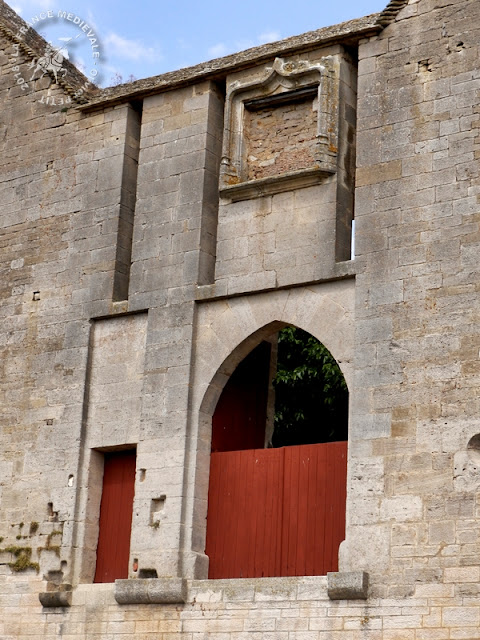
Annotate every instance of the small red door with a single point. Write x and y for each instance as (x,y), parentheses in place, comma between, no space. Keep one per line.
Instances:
(116,511)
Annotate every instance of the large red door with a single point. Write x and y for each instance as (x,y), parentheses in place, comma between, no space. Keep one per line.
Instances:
(116,511)
(276,512)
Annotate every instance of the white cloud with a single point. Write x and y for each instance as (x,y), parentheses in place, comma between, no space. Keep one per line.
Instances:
(91,20)
(81,64)
(29,8)
(116,45)
(240,45)
(184,44)
(222,49)
(218,50)
(268,36)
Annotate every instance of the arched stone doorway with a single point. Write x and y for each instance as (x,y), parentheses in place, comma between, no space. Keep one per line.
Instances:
(226,331)
(277,489)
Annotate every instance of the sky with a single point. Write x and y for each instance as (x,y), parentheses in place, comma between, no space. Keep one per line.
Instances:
(132,40)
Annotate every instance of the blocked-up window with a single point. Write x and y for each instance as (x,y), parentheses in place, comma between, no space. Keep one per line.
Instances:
(281,133)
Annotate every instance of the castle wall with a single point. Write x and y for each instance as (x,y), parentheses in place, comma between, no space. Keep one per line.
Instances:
(148,247)
(416,357)
(61,190)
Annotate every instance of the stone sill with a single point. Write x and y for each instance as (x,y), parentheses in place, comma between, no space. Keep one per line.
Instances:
(334,586)
(276,184)
(271,589)
(351,585)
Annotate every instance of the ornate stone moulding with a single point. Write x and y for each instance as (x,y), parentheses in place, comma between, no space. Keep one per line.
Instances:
(284,83)
(275,184)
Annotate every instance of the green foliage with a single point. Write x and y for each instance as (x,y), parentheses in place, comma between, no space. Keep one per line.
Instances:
(311,396)
(50,536)
(33,527)
(23,557)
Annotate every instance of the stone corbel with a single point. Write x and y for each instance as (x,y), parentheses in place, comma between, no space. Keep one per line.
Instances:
(58,596)
(347,585)
(150,591)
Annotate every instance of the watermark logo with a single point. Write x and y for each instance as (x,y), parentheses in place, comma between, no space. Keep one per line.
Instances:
(51,62)
(78,44)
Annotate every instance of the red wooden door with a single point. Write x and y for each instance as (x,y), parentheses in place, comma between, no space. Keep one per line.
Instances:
(276,512)
(314,501)
(116,511)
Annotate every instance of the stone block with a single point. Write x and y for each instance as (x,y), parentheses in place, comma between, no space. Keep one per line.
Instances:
(350,585)
(151,591)
(55,599)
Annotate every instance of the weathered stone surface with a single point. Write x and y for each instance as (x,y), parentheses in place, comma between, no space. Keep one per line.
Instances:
(55,599)
(150,591)
(128,295)
(347,585)
(280,139)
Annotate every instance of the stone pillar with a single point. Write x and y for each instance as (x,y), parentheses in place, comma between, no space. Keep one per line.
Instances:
(173,250)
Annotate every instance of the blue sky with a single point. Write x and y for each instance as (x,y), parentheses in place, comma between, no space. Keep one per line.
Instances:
(146,38)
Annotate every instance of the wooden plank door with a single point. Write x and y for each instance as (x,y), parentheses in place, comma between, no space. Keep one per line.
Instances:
(116,510)
(314,501)
(276,512)
(245,513)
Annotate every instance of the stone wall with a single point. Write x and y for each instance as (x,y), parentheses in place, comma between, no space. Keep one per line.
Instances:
(57,260)
(140,263)
(416,339)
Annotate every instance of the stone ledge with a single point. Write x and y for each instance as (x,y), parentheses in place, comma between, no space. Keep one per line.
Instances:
(276,184)
(352,585)
(150,591)
(218,291)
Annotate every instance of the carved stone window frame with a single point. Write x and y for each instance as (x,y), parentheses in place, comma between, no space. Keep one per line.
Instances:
(292,79)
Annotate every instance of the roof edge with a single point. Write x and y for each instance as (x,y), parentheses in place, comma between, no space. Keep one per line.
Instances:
(33,46)
(388,15)
(348,32)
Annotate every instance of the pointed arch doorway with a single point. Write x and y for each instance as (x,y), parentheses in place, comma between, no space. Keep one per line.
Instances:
(277,508)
